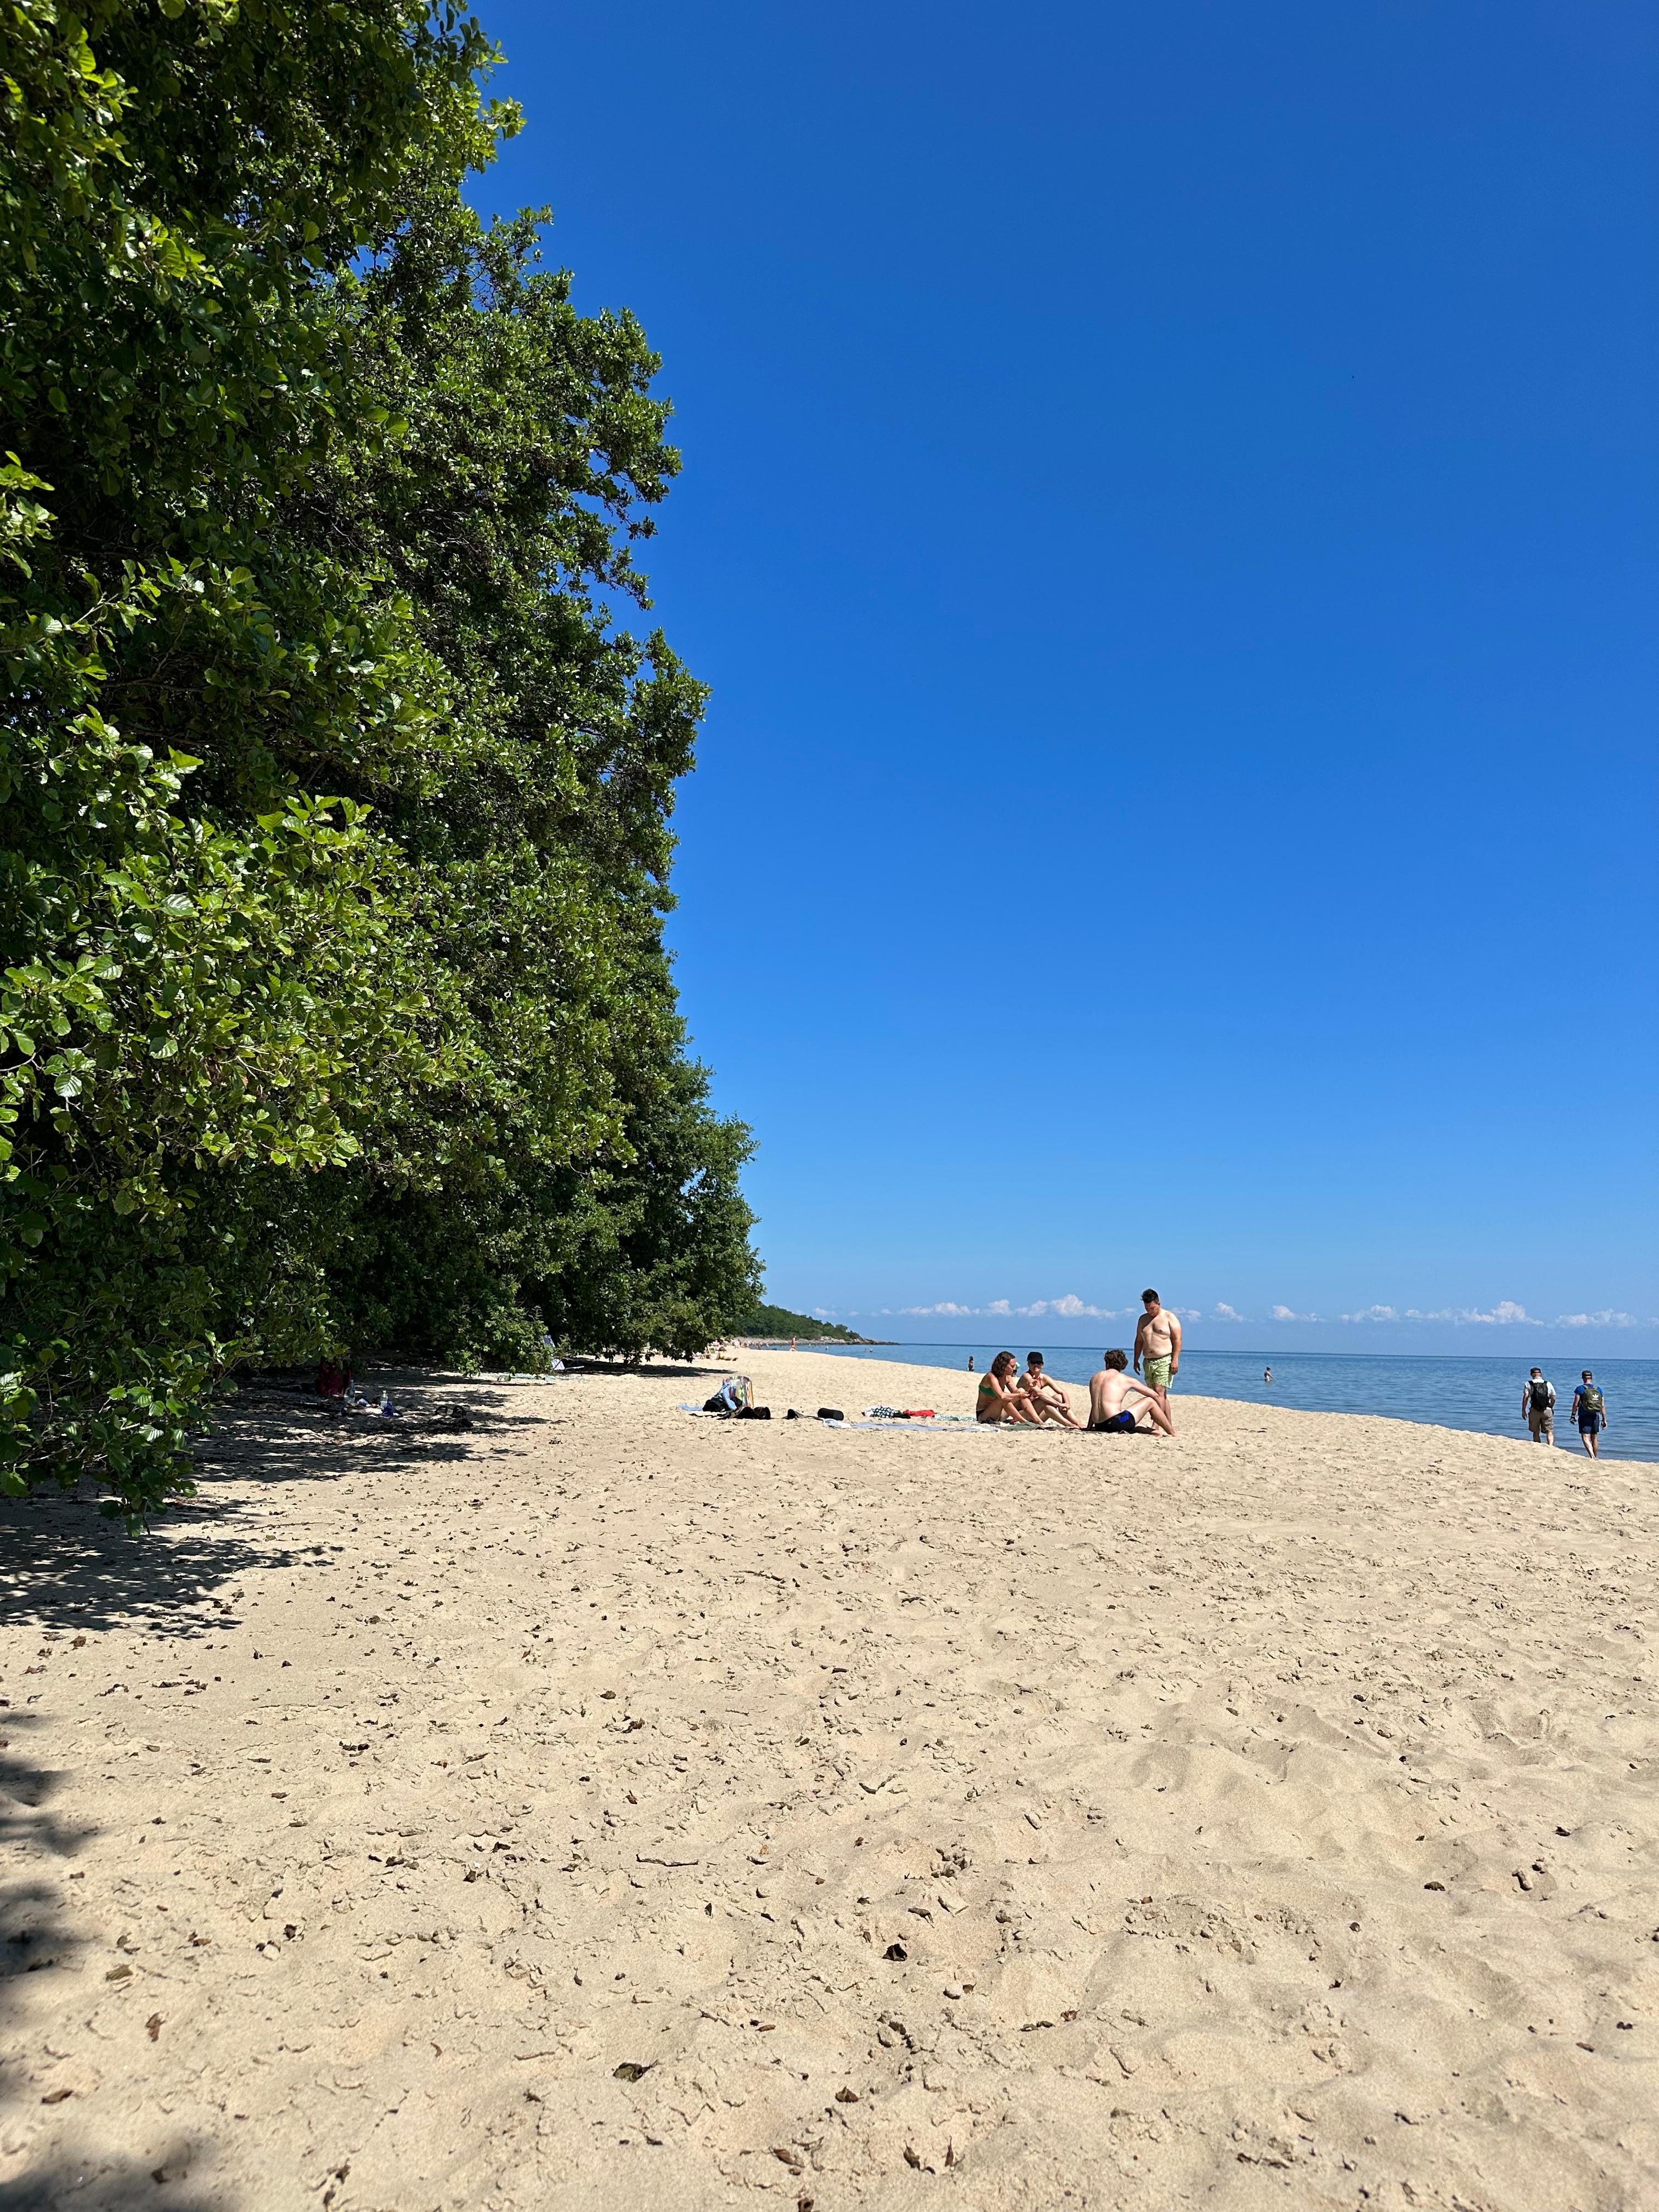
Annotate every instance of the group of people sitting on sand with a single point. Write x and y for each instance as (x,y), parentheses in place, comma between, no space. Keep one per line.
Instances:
(1118,1401)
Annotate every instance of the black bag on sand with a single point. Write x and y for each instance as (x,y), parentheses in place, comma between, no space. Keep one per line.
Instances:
(754,1414)
(830,1413)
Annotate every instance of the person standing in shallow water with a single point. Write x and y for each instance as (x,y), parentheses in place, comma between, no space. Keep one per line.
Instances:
(1589,1412)
(1537,1405)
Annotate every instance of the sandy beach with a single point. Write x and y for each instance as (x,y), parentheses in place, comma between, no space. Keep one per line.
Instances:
(553,1801)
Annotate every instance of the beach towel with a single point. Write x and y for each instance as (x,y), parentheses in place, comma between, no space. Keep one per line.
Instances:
(941,1425)
(916,1425)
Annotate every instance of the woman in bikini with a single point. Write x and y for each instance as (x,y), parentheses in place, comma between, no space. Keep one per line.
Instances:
(1000,1398)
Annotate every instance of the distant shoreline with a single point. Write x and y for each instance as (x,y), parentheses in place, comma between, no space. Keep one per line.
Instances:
(1591,1352)
(783,1343)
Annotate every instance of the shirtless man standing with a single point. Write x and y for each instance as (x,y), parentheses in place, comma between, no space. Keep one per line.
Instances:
(1157,1344)
(1116,1402)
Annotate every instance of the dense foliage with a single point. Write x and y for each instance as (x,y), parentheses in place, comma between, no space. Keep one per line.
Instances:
(334,1009)
(778,1321)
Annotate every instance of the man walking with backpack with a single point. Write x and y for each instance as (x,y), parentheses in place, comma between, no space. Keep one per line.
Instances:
(1590,1410)
(1538,1404)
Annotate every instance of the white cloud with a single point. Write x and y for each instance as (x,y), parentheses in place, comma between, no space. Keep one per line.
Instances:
(1504,1315)
(1067,1307)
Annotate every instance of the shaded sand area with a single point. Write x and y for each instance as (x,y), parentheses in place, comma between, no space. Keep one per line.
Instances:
(592,1806)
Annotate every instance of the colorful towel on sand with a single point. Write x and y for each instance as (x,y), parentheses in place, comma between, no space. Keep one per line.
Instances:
(934,1423)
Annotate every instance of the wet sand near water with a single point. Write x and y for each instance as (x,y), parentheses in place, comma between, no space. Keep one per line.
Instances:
(593,1807)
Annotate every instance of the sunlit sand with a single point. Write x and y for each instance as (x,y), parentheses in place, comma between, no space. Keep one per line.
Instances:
(597,1807)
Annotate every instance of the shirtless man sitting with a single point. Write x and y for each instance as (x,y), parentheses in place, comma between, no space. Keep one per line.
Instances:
(1045,1395)
(1116,1401)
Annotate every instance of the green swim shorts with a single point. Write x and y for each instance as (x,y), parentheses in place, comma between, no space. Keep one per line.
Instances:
(1156,1368)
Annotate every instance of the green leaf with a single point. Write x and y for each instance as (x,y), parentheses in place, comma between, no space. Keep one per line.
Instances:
(409,1073)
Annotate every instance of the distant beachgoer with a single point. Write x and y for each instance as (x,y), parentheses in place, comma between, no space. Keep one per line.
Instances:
(1000,1398)
(792,1344)
(1589,1410)
(1117,1402)
(1538,1404)
(1157,1344)
(970,1363)
(1046,1395)
(1266,1374)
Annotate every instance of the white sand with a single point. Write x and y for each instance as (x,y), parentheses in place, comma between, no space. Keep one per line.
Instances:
(1267,1817)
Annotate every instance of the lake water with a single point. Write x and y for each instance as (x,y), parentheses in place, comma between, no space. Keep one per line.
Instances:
(1479,1394)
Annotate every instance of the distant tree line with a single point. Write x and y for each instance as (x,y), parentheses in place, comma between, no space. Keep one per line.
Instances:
(778,1321)
(334,1009)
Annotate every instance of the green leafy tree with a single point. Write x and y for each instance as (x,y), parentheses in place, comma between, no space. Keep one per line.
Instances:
(333,1004)
(597,1192)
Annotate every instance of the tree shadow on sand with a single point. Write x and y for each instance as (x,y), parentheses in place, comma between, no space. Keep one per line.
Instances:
(94,2184)
(65,1571)
(33,1935)
(64,1567)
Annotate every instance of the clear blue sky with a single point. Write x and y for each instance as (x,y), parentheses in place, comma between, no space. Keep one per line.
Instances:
(1169,520)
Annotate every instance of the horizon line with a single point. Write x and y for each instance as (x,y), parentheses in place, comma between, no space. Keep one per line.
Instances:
(1233,1351)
